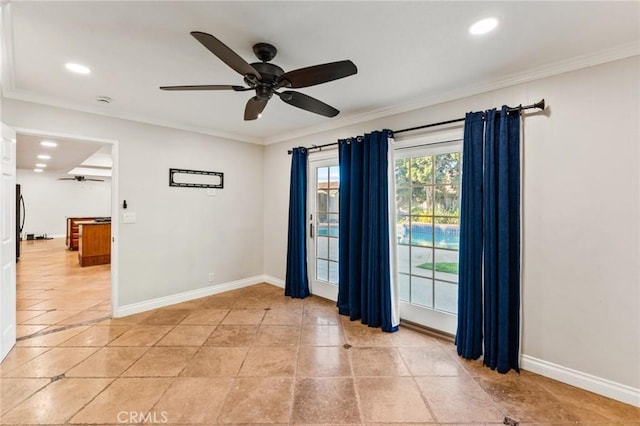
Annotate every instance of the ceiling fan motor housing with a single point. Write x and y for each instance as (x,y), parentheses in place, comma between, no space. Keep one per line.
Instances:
(265,86)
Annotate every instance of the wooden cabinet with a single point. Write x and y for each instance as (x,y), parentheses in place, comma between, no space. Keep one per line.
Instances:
(73,231)
(94,243)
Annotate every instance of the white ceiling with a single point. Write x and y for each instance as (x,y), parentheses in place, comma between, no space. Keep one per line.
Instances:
(408,54)
(69,154)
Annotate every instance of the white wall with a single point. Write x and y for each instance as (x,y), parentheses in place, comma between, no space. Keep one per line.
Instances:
(581,272)
(49,201)
(181,234)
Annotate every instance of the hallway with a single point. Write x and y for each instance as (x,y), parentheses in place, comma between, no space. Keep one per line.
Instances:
(53,291)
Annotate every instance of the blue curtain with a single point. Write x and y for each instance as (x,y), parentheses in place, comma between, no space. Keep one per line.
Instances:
(297,282)
(469,333)
(490,240)
(502,240)
(364,290)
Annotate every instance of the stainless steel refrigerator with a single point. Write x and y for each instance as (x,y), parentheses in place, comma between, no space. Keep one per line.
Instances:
(20,215)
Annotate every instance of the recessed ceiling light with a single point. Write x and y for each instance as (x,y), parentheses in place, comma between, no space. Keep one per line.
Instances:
(37,170)
(44,157)
(41,165)
(49,144)
(77,68)
(483,26)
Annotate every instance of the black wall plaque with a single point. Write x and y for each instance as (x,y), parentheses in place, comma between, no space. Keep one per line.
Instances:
(195,178)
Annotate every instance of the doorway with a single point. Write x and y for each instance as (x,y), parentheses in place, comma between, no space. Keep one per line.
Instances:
(63,177)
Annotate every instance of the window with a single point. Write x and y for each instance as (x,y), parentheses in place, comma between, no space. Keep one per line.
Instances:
(428,232)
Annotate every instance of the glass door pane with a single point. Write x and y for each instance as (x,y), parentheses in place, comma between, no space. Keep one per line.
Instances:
(324,187)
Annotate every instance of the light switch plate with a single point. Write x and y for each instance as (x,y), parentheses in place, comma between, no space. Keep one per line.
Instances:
(128,217)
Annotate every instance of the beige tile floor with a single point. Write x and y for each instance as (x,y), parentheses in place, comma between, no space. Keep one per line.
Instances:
(251,356)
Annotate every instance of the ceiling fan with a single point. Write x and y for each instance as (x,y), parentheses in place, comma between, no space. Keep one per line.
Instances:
(267,78)
(82,179)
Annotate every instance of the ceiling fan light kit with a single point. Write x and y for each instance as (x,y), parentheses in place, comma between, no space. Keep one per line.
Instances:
(266,78)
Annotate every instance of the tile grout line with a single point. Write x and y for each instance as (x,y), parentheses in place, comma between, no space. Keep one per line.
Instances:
(295,367)
(62,328)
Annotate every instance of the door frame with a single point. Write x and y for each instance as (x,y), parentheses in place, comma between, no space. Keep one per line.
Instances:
(326,291)
(115,207)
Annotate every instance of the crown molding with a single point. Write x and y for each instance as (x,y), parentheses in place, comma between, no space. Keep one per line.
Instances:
(140,118)
(547,70)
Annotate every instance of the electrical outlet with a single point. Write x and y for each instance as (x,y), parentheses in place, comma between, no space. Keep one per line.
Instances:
(212,276)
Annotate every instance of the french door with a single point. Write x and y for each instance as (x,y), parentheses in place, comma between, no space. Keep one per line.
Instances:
(8,236)
(427,225)
(323,226)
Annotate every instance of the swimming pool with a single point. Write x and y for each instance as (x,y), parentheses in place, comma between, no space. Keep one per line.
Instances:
(422,234)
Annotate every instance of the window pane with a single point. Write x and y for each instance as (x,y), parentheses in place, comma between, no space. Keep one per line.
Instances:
(322,247)
(446,265)
(322,204)
(402,172)
(334,176)
(403,287)
(333,272)
(447,297)
(334,227)
(447,200)
(422,261)
(333,249)
(421,231)
(322,270)
(322,177)
(404,261)
(448,168)
(447,232)
(403,197)
(403,228)
(421,170)
(422,200)
(332,202)
(422,291)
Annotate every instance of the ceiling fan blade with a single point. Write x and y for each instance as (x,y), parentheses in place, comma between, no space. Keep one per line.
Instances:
(206,87)
(308,103)
(254,107)
(225,54)
(310,76)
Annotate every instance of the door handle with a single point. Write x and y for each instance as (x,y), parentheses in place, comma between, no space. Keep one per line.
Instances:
(311,230)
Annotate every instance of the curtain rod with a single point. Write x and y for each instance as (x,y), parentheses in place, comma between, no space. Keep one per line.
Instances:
(538,105)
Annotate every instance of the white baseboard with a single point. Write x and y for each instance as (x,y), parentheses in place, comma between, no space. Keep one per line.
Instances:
(273,281)
(161,302)
(595,384)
